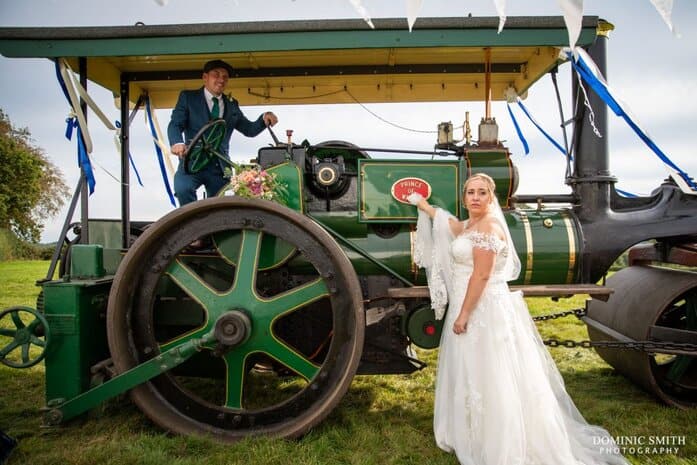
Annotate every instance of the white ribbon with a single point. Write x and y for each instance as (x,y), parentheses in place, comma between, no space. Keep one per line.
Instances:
(74,89)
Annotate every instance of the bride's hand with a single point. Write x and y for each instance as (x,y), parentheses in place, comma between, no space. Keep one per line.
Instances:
(414,198)
(460,325)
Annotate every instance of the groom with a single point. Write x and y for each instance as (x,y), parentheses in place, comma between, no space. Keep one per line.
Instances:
(194,109)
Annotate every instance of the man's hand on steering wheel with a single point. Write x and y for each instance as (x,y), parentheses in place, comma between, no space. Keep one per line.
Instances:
(270,119)
(178,150)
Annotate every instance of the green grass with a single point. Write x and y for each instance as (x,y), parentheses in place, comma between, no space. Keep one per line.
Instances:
(383,420)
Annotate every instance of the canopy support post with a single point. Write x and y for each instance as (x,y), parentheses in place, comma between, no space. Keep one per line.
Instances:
(125,171)
(84,191)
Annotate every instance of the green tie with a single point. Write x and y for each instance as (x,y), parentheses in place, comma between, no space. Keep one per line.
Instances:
(215,111)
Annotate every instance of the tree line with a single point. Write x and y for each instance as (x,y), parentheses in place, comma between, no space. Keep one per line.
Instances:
(32,189)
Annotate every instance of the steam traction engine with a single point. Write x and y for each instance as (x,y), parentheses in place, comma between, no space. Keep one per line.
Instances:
(262,331)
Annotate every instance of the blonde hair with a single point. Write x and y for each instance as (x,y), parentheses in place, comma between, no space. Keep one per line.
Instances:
(490,184)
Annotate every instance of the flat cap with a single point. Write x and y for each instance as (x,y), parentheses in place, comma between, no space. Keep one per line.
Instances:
(213,64)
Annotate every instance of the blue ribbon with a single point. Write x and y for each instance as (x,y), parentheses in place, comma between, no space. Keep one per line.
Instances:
(604,93)
(83,160)
(544,133)
(130,157)
(160,157)
(625,193)
(70,123)
(517,130)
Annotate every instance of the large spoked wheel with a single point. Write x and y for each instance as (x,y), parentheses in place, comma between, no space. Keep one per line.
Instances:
(288,339)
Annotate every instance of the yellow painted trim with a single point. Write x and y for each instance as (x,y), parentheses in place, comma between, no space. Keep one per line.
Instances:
(604,28)
(529,245)
(572,248)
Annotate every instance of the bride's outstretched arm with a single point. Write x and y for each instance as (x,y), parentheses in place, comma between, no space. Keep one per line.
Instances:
(483,267)
(421,204)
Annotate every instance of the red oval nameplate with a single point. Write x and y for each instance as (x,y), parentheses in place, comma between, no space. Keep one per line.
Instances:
(403,187)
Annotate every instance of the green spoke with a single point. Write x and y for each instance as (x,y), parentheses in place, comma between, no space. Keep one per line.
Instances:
(190,283)
(9,348)
(32,326)
(234,382)
(678,367)
(297,297)
(179,340)
(292,359)
(7,332)
(246,270)
(25,353)
(37,342)
(17,320)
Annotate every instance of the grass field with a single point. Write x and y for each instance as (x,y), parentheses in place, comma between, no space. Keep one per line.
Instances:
(383,420)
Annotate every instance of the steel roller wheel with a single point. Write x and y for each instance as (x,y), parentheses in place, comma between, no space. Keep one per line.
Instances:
(288,340)
(650,303)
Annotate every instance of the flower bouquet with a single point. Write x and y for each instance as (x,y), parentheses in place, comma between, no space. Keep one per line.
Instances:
(256,183)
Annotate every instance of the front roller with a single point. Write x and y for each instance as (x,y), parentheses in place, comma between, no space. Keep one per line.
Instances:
(287,344)
(650,304)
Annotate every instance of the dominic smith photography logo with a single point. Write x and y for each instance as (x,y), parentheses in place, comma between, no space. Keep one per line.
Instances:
(640,445)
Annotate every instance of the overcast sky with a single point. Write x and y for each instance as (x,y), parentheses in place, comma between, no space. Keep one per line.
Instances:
(654,72)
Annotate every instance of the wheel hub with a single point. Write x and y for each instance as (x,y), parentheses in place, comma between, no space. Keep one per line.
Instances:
(233,329)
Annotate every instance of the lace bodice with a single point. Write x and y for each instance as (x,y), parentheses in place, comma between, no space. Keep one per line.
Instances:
(463,245)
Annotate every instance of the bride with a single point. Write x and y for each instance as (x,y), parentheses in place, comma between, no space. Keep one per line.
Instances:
(500,399)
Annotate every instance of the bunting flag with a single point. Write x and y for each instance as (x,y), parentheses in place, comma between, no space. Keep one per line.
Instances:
(573,18)
(363,12)
(572,10)
(665,9)
(413,7)
(500,6)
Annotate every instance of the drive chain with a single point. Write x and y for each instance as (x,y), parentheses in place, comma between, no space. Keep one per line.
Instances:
(684,348)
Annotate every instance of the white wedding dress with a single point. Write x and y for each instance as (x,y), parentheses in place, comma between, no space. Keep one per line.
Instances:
(500,399)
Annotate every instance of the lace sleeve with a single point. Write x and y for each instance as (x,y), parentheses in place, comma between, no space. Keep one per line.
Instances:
(431,251)
(486,241)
